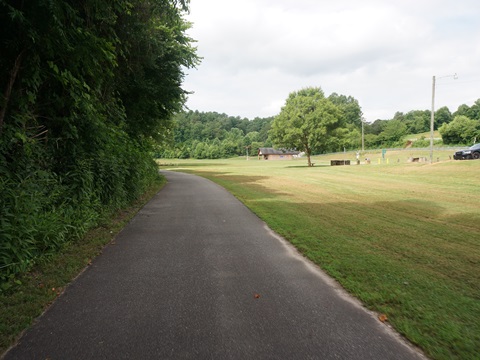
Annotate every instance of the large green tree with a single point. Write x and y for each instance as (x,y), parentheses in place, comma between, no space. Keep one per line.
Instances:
(308,122)
(85,87)
(442,116)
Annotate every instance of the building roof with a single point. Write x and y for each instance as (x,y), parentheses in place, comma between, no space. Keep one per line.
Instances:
(272,151)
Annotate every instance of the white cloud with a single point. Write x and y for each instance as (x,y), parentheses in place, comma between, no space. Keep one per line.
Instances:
(383,53)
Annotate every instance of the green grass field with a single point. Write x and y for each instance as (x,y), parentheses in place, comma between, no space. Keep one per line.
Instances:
(404,238)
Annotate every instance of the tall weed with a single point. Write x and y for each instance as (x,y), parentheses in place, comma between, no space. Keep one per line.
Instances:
(41,210)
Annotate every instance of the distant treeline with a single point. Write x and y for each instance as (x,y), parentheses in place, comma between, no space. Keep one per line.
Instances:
(210,135)
(460,127)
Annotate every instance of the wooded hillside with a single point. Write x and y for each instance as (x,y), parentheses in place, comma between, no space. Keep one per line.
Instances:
(210,135)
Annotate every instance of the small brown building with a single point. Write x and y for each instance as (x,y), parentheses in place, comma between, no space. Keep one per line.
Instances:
(274,154)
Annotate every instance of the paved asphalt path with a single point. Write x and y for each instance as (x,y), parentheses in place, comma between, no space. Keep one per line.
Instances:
(196,275)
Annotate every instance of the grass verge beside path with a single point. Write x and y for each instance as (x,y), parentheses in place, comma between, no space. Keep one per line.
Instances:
(36,290)
(404,238)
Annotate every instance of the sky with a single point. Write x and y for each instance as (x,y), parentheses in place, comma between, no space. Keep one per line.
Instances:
(383,53)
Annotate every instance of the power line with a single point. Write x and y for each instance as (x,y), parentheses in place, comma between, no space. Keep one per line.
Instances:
(457,82)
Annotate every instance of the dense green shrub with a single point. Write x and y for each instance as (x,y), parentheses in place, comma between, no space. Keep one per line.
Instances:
(41,210)
(462,130)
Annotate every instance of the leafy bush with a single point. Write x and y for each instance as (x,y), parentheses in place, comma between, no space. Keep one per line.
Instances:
(40,211)
(462,130)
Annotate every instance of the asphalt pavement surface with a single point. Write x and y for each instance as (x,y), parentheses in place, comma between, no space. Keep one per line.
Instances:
(196,275)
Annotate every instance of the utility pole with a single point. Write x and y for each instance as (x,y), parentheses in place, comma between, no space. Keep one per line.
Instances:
(432,120)
(363,135)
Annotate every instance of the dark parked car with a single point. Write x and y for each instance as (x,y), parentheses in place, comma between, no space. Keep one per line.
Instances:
(473,152)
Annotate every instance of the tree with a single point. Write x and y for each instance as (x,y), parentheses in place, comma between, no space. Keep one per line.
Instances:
(376,127)
(353,137)
(251,137)
(442,116)
(233,142)
(352,113)
(307,122)
(394,131)
(416,121)
(462,110)
(153,52)
(462,130)
(351,117)
(474,112)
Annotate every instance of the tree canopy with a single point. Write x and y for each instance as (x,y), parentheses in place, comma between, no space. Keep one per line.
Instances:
(308,122)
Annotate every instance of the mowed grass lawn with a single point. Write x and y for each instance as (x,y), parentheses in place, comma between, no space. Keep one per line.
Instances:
(404,238)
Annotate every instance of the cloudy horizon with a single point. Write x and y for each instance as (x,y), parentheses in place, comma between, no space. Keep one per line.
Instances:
(383,53)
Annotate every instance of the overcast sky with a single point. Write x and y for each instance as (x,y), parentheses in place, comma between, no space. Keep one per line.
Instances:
(383,53)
